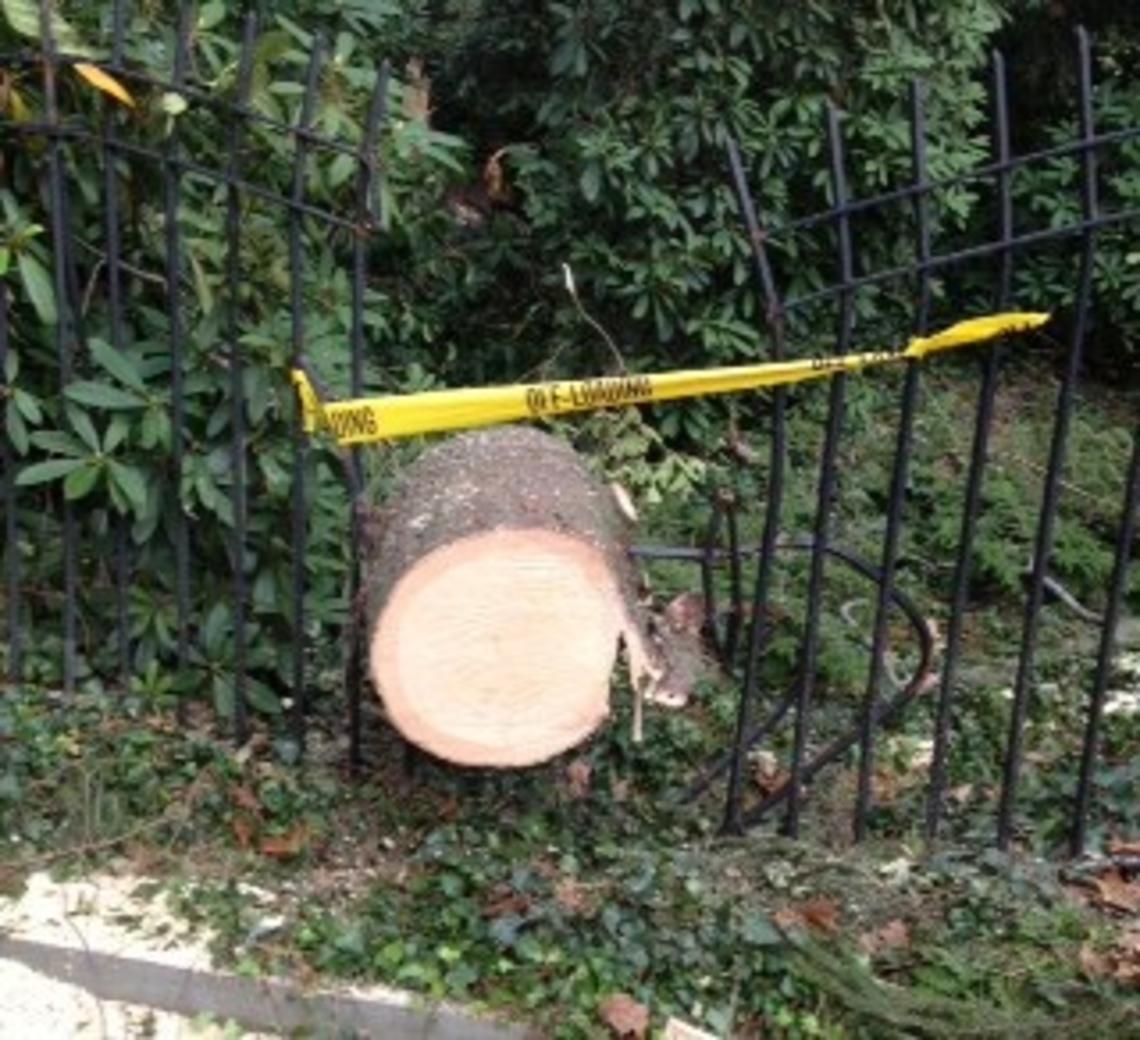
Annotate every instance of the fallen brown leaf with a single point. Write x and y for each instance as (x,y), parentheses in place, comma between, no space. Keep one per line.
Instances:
(787,918)
(493,179)
(506,901)
(287,845)
(767,773)
(820,915)
(245,799)
(625,1017)
(578,778)
(573,896)
(1128,973)
(1129,942)
(893,935)
(1114,893)
(1094,965)
(1121,962)
(243,831)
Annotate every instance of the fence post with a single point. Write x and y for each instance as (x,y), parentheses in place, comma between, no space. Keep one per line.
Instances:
(758,631)
(1043,544)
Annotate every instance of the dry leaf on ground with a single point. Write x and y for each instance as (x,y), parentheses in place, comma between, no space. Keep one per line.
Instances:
(573,896)
(243,831)
(1115,893)
(893,935)
(504,901)
(578,778)
(1121,962)
(245,799)
(287,845)
(1094,965)
(767,773)
(820,915)
(626,1018)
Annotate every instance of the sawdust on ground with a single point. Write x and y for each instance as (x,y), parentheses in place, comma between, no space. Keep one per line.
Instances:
(114,914)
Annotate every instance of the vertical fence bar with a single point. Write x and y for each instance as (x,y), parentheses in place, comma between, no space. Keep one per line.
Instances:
(113,231)
(978,456)
(1116,589)
(238,496)
(1043,545)
(365,222)
(172,199)
(758,632)
(64,335)
(826,494)
(8,500)
(870,710)
(118,32)
(708,585)
(299,521)
(736,586)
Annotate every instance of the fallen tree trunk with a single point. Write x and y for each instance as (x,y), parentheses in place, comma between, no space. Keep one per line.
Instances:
(499,588)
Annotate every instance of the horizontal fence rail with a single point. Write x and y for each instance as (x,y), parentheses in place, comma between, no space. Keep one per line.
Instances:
(101,566)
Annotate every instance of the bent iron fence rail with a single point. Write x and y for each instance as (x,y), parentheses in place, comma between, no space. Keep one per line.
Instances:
(173,167)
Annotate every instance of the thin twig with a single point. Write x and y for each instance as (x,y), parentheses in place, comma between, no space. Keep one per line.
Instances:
(138,272)
(572,289)
(90,290)
(87,950)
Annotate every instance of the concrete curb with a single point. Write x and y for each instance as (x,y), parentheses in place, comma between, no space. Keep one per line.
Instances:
(269,1005)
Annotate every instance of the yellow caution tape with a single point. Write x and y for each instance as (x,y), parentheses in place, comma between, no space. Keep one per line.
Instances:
(370,419)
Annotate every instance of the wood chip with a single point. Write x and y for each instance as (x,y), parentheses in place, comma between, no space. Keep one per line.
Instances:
(675,1029)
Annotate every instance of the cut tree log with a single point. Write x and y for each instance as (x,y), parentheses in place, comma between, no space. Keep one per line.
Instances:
(499,588)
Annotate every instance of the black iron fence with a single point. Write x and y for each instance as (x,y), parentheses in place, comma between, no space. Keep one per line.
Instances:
(99,563)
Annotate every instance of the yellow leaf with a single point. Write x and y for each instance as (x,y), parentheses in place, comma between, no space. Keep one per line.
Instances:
(105,82)
(17,107)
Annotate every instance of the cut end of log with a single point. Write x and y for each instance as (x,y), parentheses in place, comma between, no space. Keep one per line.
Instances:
(497,649)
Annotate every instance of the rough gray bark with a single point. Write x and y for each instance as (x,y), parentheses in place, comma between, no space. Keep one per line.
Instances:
(504,477)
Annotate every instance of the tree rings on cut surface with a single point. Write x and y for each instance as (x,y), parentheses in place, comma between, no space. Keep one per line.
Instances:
(499,592)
